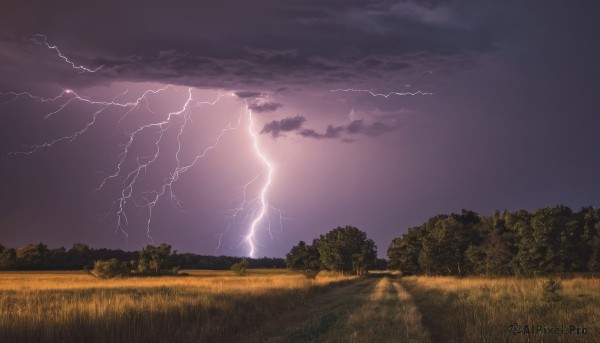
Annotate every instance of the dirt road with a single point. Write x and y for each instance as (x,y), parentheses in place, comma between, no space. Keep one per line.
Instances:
(375,308)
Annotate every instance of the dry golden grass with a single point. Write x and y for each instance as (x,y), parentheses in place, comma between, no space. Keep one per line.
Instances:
(371,309)
(280,306)
(481,309)
(389,315)
(205,306)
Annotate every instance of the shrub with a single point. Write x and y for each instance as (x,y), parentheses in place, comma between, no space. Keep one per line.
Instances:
(110,268)
(550,289)
(240,268)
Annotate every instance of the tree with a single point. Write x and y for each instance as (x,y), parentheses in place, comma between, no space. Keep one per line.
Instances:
(347,250)
(57,258)
(589,247)
(240,268)
(154,259)
(32,256)
(79,255)
(544,248)
(446,240)
(304,257)
(404,252)
(110,268)
(8,259)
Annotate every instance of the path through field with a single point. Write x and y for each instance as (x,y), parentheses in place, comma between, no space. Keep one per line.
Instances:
(374,309)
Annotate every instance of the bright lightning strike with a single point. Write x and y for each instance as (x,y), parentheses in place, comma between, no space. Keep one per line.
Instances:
(131,106)
(258,209)
(264,205)
(43,40)
(179,119)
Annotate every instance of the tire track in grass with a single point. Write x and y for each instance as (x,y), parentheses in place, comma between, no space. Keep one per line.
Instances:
(390,315)
(316,315)
(373,309)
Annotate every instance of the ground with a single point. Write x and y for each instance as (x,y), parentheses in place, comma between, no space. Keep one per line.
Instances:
(281,306)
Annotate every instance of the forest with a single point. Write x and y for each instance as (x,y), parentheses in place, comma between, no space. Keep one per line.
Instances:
(550,240)
(37,256)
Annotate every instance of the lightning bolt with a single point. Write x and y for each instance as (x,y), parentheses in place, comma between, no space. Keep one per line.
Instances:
(131,178)
(177,120)
(43,40)
(76,97)
(179,169)
(264,205)
(381,94)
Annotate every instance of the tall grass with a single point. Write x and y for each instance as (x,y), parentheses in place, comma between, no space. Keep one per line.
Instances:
(279,306)
(482,309)
(205,306)
(371,309)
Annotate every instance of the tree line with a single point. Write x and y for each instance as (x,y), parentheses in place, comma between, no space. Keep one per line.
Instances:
(37,256)
(346,250)
(549,240)
(546,241)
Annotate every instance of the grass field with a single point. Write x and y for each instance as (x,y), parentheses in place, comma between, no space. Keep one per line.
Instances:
(280,306)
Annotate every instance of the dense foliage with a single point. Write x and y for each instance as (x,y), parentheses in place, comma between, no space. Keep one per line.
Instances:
(39,257)
(110,268)
(240,268)
(549,240)
(344,250)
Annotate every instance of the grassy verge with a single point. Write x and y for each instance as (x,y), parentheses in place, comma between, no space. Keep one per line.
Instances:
(482,309)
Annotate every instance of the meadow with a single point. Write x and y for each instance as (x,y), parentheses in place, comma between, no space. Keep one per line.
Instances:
(281,306)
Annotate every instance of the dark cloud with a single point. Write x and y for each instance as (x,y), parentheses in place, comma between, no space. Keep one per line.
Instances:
(331,132)
(233,45)
(247,94)
(262,107)
(357,127)
(372,130)
(276,127)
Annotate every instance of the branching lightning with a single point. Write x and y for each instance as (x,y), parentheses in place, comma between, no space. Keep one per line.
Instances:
(131,178)
(257,210)
(381,94)
(42,40)
(176,120)
(73,96)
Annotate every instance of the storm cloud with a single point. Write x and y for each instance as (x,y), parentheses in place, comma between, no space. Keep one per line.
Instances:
(262,107)
(330,132)
(247,94)
(357,127)
(251,45)
(276,127)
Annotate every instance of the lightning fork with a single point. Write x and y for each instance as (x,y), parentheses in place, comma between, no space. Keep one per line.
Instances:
(381,94)
(43,40)
(250,237)
(132,105)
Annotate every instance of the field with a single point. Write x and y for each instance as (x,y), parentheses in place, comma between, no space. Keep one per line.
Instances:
(280,306)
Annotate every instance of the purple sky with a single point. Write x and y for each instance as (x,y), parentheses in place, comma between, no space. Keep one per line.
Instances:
(512,121)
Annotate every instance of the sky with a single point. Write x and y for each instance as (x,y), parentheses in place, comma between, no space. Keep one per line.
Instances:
(240,128)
